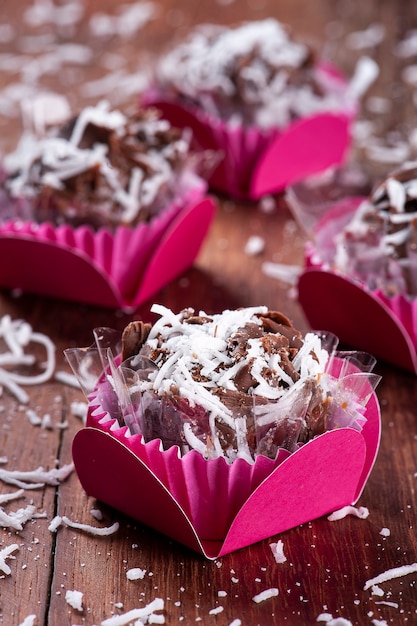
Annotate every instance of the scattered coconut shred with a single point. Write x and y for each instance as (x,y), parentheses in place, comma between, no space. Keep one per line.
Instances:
(74,599)
(17,335)
(395,572)
(147,612)
(103,531)
(265,595)
(278,551)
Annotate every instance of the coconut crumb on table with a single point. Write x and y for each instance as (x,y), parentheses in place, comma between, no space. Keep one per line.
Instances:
(16,519)
(254,245)
(135,573)
(333,621)
(17,335)
(362,512)
(216,610)
(136,614)
(38,478)
(278,551)
(74,599)
(395,572)
(6,553)
(93,530)
(30,620)
(265,595)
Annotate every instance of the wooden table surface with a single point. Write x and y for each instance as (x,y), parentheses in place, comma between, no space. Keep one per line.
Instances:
(328,563)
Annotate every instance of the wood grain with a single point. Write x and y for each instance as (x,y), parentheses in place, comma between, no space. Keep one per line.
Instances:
(327,563)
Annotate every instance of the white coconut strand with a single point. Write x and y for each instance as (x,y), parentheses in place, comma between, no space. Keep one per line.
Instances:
(402,218)
(398,238)
(396,194)
(16,334)
(194,359)
(100,116)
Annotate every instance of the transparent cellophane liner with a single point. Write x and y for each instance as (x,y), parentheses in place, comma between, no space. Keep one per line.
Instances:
(196,480)
(323,206)
(241,145)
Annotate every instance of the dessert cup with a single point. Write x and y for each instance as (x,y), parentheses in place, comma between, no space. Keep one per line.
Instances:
(212,505)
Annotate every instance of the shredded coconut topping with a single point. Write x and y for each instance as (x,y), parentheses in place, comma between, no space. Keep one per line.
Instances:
(16,336)
(6,553)
(237,384)
(256,71)
(221,373)
(379,244)
(102,168)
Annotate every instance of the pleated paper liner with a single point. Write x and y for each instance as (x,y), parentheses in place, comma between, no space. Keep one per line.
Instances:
(385,326)
(214,507)
(255,161)
(118,269)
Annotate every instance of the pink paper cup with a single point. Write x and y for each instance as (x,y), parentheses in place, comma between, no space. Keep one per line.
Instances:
(363,318)
(212,506)
(120,268)
(253,161)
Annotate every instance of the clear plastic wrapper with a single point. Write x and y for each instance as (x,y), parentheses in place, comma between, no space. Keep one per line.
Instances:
(129,456)
(335,398)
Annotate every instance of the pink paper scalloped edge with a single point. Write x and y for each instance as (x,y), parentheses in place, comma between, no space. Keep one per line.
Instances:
(120,258)
(190,476)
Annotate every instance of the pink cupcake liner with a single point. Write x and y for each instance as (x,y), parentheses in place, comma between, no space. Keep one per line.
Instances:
(366,319)
(214,507)
(118,269)
(255,161)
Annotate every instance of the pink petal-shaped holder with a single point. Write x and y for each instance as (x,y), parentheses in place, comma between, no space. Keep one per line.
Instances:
(364,319)
(120,269)
(255,161)
(211,506)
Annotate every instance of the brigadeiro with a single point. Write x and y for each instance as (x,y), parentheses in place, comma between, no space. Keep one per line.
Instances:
(244,90)
(106,186)
(212,405)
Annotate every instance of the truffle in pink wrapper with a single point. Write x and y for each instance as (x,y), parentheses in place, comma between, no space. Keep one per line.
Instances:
(261,101)
(98,205)
(209,457)
(364,252)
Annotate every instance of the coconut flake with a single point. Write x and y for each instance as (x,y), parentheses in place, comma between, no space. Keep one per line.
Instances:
(135,614)
(362,512)
(55,523)
(278,551)
(16,519)
(254,245)
(395,572)
(377,591)
(265,595)
(67,379)
(92,530)
(30,620)
(17,335)
(7,497)
(333,621)
(135,573)
(38,478)
(6,553)
(282,271)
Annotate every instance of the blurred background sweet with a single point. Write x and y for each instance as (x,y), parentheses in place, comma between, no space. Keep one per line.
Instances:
(268,103)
